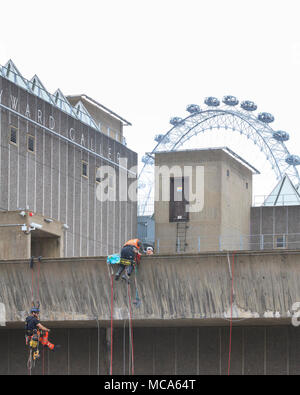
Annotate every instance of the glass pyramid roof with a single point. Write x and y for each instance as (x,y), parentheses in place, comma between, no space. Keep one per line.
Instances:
(62,103)
(284,194)
(83,114)
(39,90)
(11,72)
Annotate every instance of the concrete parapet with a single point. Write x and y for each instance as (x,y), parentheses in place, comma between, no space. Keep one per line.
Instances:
(174,289)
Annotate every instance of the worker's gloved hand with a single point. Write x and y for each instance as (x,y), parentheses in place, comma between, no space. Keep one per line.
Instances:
(138,258)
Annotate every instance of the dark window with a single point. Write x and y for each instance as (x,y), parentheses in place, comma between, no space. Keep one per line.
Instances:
(84,169)
(247,185)
(31,143)
(228,173)
(98,178)
(178,199)
(13,135)
(280,241)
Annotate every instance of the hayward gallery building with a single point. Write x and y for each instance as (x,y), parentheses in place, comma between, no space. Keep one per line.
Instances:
(52,148)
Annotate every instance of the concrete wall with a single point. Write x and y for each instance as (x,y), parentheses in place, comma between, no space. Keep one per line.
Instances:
(160,351)
(49,182)
(16,243)
(194,289)
(227,201)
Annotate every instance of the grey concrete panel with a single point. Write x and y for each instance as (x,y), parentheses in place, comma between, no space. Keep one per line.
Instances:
(18,354)
(164,351)
(254,351)
(293,350)
(55,174)
(48,163)
(209,351)
(4,355)
(276,351)
(236,354)
(143,350)
(63,183)
(79,351)
(280,218)
(186,351)
(59,362)
(121,358)
(39,145)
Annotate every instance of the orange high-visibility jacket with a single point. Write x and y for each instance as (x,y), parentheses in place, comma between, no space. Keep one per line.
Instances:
(133,242)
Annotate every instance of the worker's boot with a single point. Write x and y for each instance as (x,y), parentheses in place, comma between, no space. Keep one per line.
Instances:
(125,277)
(119,272)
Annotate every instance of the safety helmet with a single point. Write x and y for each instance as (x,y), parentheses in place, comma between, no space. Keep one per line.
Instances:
(149,248)
(35,310)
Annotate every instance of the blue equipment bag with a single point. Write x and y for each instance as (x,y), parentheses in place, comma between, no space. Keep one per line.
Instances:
(113,259)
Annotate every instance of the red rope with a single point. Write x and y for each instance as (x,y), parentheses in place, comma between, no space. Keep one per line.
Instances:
(111,322)
(231,306)
(38,282)
(43,365)
(132,349)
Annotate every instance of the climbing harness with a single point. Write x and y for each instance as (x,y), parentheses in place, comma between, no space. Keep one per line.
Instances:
(34,353)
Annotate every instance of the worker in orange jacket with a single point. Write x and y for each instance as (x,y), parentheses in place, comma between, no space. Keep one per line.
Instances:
(130,255)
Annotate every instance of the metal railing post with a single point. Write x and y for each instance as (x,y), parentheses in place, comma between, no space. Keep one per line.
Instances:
(241,242)
(261,242)
(178,245)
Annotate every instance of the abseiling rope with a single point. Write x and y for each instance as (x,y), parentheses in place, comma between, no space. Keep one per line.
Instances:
(29,363)
(111,322)
(131,330)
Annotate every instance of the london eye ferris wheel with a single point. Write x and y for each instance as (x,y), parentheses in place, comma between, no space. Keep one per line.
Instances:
(227,115)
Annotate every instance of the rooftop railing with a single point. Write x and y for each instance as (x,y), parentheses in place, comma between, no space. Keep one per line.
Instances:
(202,243)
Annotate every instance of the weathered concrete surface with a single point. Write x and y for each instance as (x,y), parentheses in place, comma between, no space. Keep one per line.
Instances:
(175,290)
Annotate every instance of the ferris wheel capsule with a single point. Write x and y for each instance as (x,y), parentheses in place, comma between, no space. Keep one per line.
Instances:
(266,117)
(248,105)
(280,135)
(230,100)
(212,101)
(193,108)
(161,138)
(293,160)
(176,121)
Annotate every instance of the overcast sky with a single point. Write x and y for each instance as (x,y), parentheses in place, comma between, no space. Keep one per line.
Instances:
(147,60)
